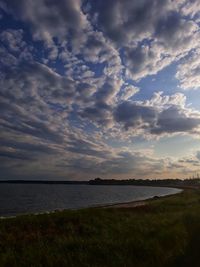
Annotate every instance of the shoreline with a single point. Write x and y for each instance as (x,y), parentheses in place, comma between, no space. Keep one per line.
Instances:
(129,204)
(142,202)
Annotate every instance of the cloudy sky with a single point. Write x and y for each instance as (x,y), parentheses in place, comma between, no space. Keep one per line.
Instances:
(99,88)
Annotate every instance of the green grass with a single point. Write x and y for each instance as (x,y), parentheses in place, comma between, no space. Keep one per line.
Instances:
(166,232)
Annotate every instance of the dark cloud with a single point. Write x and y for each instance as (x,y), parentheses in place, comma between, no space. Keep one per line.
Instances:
(86,148)
(13,39)
(14,155)
(173,120)
(127,20)
(6,59)
(190,161)
(17,119)
(99,113)
(133,115)
(49,18)
(33,128)
(101,110)
(198,155)
(168,26)
(107,91)
(175,32)
(32,80)
(143,60)
(27,146)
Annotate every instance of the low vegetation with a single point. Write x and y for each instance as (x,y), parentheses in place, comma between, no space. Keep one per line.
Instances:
(165,232)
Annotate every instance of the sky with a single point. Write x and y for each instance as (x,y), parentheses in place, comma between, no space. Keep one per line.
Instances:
(104,88)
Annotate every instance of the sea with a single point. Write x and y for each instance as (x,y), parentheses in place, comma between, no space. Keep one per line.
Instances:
(16,199)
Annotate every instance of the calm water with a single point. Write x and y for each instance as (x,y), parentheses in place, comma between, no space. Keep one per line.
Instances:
(26,198)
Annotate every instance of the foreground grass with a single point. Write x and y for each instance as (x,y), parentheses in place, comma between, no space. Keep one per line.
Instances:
(166,232)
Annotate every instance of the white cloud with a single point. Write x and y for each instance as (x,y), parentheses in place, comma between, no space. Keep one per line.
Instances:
(128,91)
(88,54)
(188,72)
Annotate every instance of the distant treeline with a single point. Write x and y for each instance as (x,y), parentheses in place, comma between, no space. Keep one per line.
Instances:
(41,182)
(153,182)
(99,181)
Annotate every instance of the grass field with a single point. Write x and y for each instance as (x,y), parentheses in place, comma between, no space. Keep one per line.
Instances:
(165,232)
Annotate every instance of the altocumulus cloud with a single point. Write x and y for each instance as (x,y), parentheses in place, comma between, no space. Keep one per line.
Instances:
(81,83)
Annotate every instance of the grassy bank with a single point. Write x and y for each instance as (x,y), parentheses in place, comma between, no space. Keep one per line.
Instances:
(166,232)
